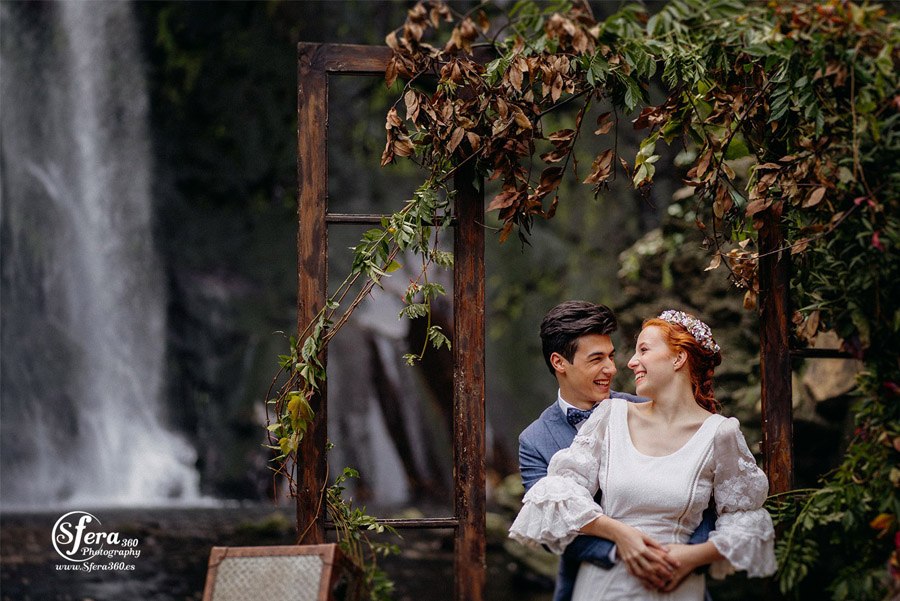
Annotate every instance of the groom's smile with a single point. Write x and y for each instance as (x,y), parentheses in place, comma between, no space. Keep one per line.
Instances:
(585,380)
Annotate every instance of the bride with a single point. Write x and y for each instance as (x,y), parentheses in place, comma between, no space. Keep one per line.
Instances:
(657,464)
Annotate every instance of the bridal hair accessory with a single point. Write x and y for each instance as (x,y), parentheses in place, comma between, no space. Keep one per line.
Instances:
(699,330)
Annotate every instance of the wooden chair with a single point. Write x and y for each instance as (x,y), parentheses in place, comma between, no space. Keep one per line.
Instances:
(282,573)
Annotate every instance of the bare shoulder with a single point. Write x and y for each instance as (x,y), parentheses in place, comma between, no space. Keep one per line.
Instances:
(700,415)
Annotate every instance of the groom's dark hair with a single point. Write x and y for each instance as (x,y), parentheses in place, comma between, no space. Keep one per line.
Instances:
(565,323)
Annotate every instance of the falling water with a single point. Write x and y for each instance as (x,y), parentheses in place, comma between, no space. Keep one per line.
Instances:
(83,301)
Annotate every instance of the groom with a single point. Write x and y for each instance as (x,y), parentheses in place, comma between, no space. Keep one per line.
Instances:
(575,339)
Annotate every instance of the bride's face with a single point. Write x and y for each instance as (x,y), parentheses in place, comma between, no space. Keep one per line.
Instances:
(653,362)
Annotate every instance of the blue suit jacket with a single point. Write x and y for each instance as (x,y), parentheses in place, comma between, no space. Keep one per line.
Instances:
(537,444)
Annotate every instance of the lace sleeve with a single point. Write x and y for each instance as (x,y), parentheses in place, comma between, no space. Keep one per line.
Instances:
(744,534)
(559,504)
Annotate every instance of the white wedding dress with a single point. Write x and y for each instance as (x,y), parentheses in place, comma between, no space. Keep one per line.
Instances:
(663,497)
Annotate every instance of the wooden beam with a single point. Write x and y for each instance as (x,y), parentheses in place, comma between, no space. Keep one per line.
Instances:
(414,523)
(356,59)
(775,356)
(312,275)
(821,353)
(350,59)
(468,388)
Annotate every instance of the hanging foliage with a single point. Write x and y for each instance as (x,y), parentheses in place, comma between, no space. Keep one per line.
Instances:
(804,92)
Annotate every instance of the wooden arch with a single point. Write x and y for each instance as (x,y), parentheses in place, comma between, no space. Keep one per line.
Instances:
(318,62)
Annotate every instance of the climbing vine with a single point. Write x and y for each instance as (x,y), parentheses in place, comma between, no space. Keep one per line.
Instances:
(804,93)
(413,231)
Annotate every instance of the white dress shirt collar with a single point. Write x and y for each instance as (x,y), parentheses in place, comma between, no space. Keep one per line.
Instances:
(564,406)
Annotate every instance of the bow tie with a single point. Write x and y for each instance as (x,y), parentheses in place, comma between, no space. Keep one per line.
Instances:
(576,416)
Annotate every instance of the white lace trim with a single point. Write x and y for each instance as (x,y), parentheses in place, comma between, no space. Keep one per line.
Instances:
(744,533)
(747,540)
(553,513)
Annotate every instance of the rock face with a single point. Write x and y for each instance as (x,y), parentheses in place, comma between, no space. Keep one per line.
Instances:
(832,379)
(231,309)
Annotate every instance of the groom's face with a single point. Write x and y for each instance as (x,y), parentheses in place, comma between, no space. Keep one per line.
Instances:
(586,379)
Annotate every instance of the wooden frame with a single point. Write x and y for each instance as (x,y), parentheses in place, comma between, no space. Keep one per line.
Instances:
(316,62)
(775,355)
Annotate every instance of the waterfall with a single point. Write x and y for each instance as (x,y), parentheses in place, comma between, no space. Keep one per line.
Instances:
(83,292)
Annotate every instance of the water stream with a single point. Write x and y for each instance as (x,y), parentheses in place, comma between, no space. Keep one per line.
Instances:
(83,297)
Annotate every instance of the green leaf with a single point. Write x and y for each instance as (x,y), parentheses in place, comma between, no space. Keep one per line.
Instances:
(437,337)
(414,310)
(632,94)
(737,149)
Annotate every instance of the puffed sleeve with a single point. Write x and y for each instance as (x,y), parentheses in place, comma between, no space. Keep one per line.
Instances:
(744,534)
(559,504)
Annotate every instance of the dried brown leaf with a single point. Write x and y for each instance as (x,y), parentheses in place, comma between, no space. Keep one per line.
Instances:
(703,163)
(387,156)
(502,108)
(499,126)
(714,263)
(411,99)
(604,123)
(815,197)
(391,41)
(403,147)
(390,73)
(556,88)
(521,120)
(514,77)
(555,156)
(808,327)
(728,170)
(505,198)
(455,139)
(393,119)
(750,300)
(553,205)
(799,246)
(719,208)
(506,231)
(757,206)
(562,135)
(601,168)
(483,22)
(550,178)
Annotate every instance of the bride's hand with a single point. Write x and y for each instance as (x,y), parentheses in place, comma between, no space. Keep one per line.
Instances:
(645,558)
(689,558)
(688,563)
